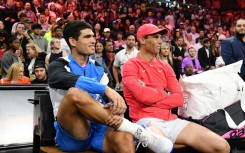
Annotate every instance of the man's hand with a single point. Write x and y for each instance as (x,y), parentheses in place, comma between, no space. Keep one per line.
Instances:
(118,107)
(114,120)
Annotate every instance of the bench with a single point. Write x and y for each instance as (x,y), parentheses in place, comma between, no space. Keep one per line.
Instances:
(44,131)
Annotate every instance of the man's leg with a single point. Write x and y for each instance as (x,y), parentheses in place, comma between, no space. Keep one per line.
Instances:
(76,109)
(78,106)
(202,139)
(118,142)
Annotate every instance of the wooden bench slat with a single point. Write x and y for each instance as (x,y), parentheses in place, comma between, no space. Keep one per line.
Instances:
(53,149)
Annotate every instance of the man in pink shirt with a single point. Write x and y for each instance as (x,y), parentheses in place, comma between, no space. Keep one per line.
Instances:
(152,90)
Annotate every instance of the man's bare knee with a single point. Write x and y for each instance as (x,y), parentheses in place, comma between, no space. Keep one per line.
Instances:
(222,147)
(125,142)
(77,95)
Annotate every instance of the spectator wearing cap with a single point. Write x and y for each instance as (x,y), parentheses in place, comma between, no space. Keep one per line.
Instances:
(28,23)
(30,14)
(38,38)
(40,73)
(114,30)
(107,36)
(152,91)
(58,33)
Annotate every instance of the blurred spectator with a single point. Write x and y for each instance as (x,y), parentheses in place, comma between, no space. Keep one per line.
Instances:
(19,54)
(149,18)
(114,30)
(10,15)
(3,44)
(15,75)
(97,31)
(55,45)
(219,62)
(58,33)
(9,57)
(3,29)
(19,6)
(40,72)
(100,55)
(34,54)
(165,54)
(110,53)
(38,38)
(112,13)
(206,57)
(178,55)
(30,14)
(122,57)
(119,42)
(37,8)
(191,60)
(107,36)
(232,49)
(28,23)
(188,71)
(44,24)
(131,29)
(23,36)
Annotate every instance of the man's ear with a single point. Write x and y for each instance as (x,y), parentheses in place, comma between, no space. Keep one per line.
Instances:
(142,40)
(72,41)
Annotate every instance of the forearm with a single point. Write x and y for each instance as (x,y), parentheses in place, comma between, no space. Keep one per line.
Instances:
(115,74)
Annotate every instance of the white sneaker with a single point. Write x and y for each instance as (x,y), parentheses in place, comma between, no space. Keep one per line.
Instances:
(156,143)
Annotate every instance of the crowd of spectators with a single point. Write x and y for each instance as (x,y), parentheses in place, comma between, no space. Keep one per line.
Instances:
(31,31)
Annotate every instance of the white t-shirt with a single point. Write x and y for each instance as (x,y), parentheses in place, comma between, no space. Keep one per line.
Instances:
(219,61)
(122,57)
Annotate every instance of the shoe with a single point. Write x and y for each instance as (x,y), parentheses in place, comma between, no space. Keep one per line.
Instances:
(156,143)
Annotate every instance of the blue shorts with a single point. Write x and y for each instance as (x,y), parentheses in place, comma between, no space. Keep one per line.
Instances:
(68,143)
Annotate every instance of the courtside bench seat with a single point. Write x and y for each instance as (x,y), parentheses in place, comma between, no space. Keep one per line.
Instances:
(45,140)
(177,149)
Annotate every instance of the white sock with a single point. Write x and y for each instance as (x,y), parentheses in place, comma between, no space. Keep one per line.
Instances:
(138,131)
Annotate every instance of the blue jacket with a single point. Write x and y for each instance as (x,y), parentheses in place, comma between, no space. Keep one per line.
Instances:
(233,50)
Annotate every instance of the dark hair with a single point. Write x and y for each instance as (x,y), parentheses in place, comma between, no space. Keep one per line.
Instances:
(11,39)
(129,34)
(22,15)
(58,27)
(73,29)
(206,40)
(36,26)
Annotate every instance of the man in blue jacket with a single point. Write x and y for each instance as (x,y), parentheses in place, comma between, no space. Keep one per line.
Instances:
(233,48)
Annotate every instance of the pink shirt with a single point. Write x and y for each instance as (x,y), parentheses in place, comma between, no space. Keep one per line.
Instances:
(144,85)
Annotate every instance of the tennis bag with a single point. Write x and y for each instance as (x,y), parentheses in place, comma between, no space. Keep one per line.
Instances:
(217,122)
(207,92)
